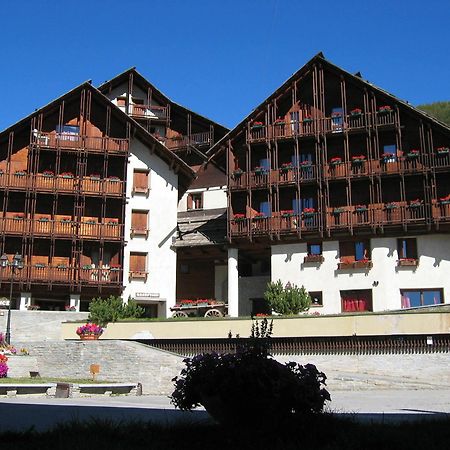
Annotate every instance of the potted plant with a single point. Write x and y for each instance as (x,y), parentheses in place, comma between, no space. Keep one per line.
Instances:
(412,154)
(279,122)
(90,331)
(19,216)
(305,164)
(287,213)
(113,179)
(337,211)
(360,208)
(115,267)
(256,125)
(384,109)
(67,175)
(445,200)
(358,160)
(39,265)
(43,219)
(239,217)
(356,112)
(308,212)
(387,157)
(415,203)
(286,167)
(48,173)
(260,170)
(94,176)
(335,161)
(237,173)
(61,266)
(259,216)
(442,151)
(20,173)
(307,119)
(336,114)
(390,206)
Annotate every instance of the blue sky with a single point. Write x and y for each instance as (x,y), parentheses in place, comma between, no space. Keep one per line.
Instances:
(219,58)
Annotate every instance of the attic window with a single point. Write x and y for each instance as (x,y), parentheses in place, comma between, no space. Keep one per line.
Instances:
(195,201)
(121,101)
(138,101)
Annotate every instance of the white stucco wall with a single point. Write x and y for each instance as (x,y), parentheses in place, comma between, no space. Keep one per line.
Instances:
(162,206)
(213,197)
(432,272)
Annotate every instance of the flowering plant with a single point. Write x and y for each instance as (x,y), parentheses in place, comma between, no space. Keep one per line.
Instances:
(309,210)
(257,124)
(360,208)
(3,366)
(285,167)
(358,158)
(239,217)
(385,108)
(90,329)
(94,176)
(113,178)
(336,114)
(415,203)
(387,156)
(67,175)
(48,173)
(442,150)
(259,215)
(279,121)
(238,172)
(391,205)
(287,212)
(20,173)
(307,119)
(336,160)
(306,163)
(69,308)
(356,112)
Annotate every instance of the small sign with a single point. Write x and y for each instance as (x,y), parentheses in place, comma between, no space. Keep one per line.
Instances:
(94,369)
(429,340)
(146,295)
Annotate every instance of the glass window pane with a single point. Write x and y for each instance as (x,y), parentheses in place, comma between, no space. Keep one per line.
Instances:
(359,251)
(315,249)
(412,298)
(431,297)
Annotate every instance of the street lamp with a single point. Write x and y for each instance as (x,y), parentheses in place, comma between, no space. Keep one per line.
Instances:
(15,264)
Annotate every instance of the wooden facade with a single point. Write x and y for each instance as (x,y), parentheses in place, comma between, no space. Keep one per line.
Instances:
(62,178)
(329,155)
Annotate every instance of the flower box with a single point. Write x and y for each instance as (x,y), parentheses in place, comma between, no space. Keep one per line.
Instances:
(259,216)
(360,208)
(335,161)
(391,206)
(314,259)
(48,174)
(337,211)
(308,212)
(415,204)
(441,151)
(408,262)
(237,173)
(287,213)
(239,217)
(335,115)
(286,167)
(305,164)
(260,171)
(358,160)
(279,122)
(444,200)
(355,112)
(67,175)
(20,173)
(257,125)
(307,120)
(94,177)
(43,219)
(384,109)
(90,331)
(412,154)
(113,179)
(39,265)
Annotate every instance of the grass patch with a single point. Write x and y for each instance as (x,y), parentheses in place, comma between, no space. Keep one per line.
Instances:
(27,380)
(321,433)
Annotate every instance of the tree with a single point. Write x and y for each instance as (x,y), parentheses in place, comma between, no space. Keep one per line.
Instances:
(112,309)
(440,110)
(287,300)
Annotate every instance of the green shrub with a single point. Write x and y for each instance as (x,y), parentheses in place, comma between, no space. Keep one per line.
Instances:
(112,309)
(289,299)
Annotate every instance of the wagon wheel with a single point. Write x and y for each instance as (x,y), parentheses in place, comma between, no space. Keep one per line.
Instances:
(213,313)
(179,314)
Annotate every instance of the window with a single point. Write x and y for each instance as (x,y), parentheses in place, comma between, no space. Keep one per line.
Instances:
(316,298)
(314,249)
(407,248)
(121,102)
(138,266)
(357,300)
(389,152)
(195,201)
(68,132)
(421,297)
(354,254)
(139,223)
(140,182)
(295,118)
(336,119)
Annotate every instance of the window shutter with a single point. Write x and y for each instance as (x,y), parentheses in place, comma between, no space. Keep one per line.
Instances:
(189,201)
(139,220)
(137,262)
(140,181)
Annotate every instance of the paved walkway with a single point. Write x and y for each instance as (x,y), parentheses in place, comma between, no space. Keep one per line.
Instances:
(42,413)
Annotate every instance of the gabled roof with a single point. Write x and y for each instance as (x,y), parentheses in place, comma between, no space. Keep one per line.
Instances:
(186,174)
(217,148)
(142,82)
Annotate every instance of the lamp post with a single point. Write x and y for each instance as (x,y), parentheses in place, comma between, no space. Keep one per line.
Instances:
(15,264)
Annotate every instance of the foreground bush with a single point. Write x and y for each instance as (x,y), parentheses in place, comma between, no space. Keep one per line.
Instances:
(249,387)
(287,300)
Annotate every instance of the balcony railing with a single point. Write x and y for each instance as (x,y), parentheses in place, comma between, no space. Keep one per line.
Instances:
(325,125)
(196,140)
(62,183)
(19,225)
(64,274)
(278,223)
(77,142)
(259,178)
(440,210)
(153,112)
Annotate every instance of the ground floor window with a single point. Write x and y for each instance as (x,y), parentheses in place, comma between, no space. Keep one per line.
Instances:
(421,297)
(356,300)
(316,298)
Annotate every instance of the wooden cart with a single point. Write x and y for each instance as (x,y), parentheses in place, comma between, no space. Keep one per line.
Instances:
(210,309)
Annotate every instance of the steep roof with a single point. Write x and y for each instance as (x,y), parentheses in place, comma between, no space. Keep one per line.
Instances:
(217,148)
(142,82)
(186,174)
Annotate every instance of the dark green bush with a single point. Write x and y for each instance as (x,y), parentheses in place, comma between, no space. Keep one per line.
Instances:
(289,299)
(250,388)
(112,309)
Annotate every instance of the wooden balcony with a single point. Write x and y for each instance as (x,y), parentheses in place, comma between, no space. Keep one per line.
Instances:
(440,211)
(42,273)
(319,125)
(60,226)
(149,112)
(74,142)
(440,161)
(262,178)
(194,140)
(277,224)
(63,183)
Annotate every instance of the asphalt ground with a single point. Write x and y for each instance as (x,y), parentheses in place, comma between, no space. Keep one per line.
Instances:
(42,413)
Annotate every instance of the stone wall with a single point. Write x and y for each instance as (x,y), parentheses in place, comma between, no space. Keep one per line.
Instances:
(29,326)
(119,361)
